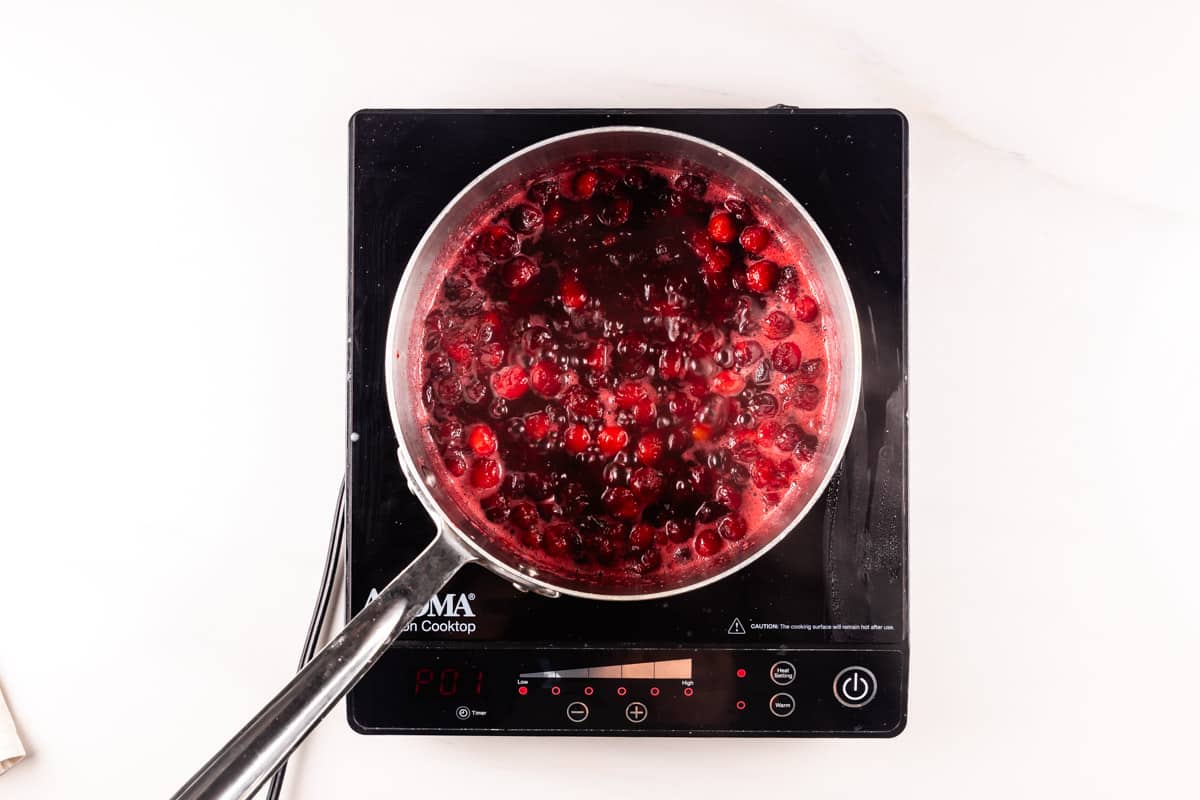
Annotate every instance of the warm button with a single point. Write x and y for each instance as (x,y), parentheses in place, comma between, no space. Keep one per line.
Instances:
(854,687)
(783,673)
(783,704)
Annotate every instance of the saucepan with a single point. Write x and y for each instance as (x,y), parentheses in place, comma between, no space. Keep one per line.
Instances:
(257,750)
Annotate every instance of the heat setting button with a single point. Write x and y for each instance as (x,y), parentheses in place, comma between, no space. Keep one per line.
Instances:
(783,673)
(854,687)
(577,712)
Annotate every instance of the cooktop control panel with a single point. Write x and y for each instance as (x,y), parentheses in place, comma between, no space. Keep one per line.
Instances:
(767,692)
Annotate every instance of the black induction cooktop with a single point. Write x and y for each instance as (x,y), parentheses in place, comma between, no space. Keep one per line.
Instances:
(810,640)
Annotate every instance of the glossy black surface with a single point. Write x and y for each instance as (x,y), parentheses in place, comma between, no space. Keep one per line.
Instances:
(838,580)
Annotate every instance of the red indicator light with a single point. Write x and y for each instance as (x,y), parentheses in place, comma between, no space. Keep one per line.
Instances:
(654,691)
(620,691)
(522,690)
(688,691)
(741,673)
(589,691)
(741,705)
(556,690)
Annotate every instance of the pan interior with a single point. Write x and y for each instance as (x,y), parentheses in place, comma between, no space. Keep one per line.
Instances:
(447,234)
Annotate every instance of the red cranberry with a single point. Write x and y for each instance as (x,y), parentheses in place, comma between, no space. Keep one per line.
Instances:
(747,352)
(491,355)
(672,363)
(649,561)
(620,502)
(582,403)
(629,394)
(716,261)
(459,348)
(679,530)
(777,325)
(499,242)
(615,213)
(537,426)
(727,495)
(556,213)
(485,473)
(612,439)
(812,369)
(526,218)
(754,239)
(766,475)
(786,357)
(681,404)
(646,483)
(691,185)
(571,289)
(702,432)
(585,183)
(510,382)
(763,404)
(597,357)
(789,437)
(543,192)
(482,440)
(523,514)
(641,537)
(576,438)
(706,343)
(650,448)
(807,397)
(732,527)
(456,463)
(547,378)
(708,542)
(721,227)
(760,276)
(728,383)
(806,309)
(644,412)
(519,272)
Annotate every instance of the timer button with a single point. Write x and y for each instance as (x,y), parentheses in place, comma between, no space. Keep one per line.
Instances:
(854,687)
(783,673)
(577,712)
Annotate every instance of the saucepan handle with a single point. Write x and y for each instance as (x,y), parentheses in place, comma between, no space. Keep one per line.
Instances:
(258,749)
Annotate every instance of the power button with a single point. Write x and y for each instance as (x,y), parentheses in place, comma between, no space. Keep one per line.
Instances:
(854,687)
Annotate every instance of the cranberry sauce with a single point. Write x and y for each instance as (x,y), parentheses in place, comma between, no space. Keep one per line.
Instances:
(624,371)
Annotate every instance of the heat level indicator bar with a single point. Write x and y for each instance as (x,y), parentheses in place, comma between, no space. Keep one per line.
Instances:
(676,669)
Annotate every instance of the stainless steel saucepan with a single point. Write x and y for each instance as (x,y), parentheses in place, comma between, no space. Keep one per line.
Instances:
(268,739)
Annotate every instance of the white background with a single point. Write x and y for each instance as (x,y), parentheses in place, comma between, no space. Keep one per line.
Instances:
(173,247)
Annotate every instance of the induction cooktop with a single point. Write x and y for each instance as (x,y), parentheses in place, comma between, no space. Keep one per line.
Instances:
(809,640)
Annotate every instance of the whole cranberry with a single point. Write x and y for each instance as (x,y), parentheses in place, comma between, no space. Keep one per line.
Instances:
(806,309)
(510,382)
(708,542)
(754,239)
(679,530)
(547,378)
(760,276)
(585,183)
(499,242)
(786,357)
(721,227)
(777,325)
(485,473)
(646,483)
(612,439)
(482,440)
(732,527)
(519,272)
(576,438)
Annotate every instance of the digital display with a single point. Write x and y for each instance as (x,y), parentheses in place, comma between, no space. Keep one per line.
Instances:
(441,681)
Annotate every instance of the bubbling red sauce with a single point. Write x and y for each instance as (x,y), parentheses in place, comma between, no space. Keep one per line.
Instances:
(626,372)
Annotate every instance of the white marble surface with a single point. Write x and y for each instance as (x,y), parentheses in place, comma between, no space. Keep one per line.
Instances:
(173,197)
